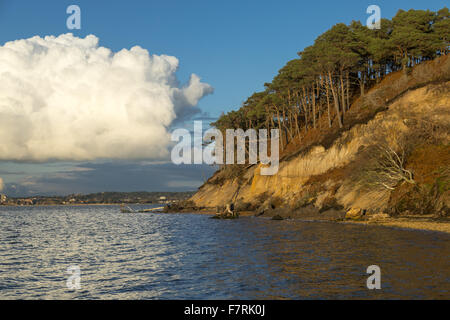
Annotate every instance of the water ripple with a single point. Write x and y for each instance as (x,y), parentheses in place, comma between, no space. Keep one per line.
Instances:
(183,256)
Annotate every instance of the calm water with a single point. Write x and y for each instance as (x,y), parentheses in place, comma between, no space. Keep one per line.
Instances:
(184,256)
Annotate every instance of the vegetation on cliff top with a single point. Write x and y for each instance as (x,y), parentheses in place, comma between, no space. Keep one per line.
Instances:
(345,78)
(341,65)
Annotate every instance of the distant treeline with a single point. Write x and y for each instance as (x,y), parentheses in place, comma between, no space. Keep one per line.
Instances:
(341,65)
(102,197)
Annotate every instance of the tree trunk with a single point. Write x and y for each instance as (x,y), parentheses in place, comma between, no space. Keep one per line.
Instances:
(280,128)
(348,91)
(361,83)
(342,95)
(336,100)
(313,99)
(328,103)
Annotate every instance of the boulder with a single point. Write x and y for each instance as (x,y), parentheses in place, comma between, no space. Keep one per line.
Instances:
(354,214)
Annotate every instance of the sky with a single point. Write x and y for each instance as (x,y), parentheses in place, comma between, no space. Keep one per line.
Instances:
(234,47)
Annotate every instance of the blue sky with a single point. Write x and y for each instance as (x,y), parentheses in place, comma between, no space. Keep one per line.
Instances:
(235,46)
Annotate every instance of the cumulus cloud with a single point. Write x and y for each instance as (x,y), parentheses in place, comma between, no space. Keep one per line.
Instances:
(67,98)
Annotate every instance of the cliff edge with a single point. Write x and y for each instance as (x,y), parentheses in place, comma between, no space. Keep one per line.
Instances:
(393,156)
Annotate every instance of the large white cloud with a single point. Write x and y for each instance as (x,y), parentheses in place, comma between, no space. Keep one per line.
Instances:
(67,98)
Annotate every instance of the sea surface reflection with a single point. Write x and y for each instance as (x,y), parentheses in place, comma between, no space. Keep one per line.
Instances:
(187,256)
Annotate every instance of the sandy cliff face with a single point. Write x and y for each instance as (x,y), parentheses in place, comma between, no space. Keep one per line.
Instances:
(321,174)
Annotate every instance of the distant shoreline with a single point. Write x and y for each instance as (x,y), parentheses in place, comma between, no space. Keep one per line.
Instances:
(76,204)
(100,198)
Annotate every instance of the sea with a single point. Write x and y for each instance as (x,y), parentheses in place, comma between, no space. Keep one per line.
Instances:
(98,252)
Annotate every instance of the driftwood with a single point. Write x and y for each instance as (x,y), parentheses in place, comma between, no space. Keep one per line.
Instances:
(126,209)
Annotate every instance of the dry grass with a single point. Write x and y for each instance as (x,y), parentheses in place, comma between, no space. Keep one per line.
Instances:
(365,108)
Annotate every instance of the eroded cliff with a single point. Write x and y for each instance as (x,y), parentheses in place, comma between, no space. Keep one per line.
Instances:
(408,114)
